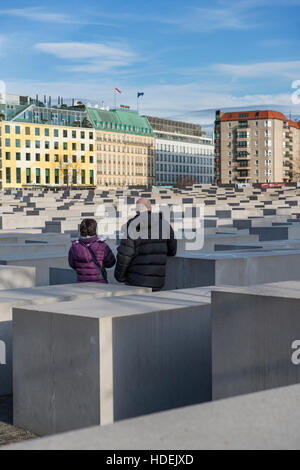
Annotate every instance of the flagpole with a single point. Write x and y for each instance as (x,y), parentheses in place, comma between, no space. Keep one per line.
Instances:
(137,103)
(115,93)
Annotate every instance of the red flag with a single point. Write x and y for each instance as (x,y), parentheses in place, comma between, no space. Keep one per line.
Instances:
(117,89)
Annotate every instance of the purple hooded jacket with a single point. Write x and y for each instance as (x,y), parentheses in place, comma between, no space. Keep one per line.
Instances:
(81,260)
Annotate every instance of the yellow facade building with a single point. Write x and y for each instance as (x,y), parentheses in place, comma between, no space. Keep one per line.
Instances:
(43,155)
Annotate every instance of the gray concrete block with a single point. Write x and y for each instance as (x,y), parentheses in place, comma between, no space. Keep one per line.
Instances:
(253,332)
(45,295)
(81,364)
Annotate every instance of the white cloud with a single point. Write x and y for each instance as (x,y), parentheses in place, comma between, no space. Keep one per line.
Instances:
(92,57)
(81,50)
(173,101)
(288,69)
(37,14)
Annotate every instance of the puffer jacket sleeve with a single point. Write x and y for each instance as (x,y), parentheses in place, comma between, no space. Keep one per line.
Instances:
(109,259)
(172,243)
(126,251)
(71,258)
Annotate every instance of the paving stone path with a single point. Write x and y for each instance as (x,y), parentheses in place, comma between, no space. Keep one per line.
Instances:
(9,433)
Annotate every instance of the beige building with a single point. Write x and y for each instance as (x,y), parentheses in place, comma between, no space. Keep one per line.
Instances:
(256,147)
(125,148)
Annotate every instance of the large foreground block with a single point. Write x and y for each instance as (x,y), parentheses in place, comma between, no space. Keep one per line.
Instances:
(260,421)
(79,364)
(44,295)
(255,336)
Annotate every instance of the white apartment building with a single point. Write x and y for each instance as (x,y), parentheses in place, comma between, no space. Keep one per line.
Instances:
(182,150)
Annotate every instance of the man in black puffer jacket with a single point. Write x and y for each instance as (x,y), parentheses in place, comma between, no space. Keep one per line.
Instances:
(142,255)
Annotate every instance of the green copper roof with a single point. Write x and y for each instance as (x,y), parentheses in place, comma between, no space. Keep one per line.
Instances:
(120,121)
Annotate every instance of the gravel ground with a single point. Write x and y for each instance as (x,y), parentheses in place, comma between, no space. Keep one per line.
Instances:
(9,433)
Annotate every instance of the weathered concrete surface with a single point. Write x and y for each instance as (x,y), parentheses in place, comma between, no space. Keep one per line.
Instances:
(253,334)
(46,295)
(261,421)
(195,269)
(81,364)
(14,277)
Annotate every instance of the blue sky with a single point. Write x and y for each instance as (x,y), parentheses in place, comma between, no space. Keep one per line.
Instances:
(188,57)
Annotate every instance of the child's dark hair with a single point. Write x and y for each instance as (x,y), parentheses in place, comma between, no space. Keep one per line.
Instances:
(88,228)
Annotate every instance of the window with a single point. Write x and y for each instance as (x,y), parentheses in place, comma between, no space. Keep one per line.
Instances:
(65,158)
(37,131)
(27,130)
(27,157)
(65,176)
(74,158)
(28,175)
(82,176)
(18,130)
(38,176)
(47,176)
(37,157)
(56,157)
(65,133)
(82,159)
(73,134)
(8,175)
(18,156)
(55,132)
(91,177)
(47,157)
(91,147)
(65,145)
(82,147)
(82,135)
(56,145)
(91,135)
(7,155)
(74,146)
(47,144)
(7,129)
(7,142)
(27,144)
(47,133)
(74,176)
(18,175)
(18,143)
(37,144)
(56,176)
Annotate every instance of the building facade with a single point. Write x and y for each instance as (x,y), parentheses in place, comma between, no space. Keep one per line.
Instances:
(39,152)
(256,147)
(125,148)
(183,152)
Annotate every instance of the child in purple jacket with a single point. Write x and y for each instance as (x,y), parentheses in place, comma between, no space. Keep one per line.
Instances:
(81,259)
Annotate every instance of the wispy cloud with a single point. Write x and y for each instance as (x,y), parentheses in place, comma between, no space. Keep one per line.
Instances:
(40,14)
(287,69)
(93,57)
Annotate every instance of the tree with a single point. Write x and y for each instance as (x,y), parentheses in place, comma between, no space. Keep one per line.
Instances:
(184,181)
(2,116)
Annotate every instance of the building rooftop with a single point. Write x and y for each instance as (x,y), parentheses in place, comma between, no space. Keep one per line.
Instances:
(120,120)
(250,115)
